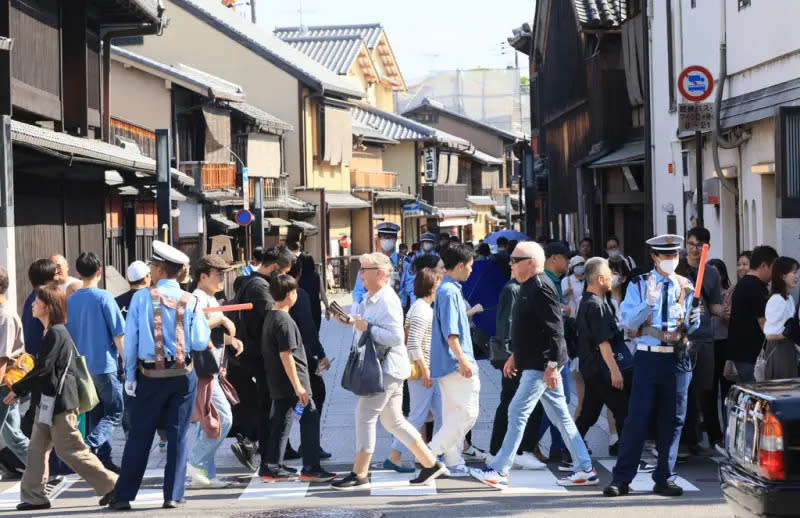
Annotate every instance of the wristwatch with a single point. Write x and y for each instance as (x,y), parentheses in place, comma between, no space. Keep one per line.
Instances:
(552,365)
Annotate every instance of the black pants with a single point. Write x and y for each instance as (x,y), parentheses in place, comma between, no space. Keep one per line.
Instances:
(718,392)
(529,438)
(318,391)
(264,408)
(599,392)
(247,414)
(280,424)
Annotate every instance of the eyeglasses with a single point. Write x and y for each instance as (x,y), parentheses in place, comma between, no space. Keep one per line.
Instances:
(370,268)
(689,244)
(518,258)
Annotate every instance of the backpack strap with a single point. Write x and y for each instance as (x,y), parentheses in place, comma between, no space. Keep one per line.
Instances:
(158,328)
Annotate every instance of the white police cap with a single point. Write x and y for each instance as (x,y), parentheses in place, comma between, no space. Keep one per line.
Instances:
(162,252)
(666,243)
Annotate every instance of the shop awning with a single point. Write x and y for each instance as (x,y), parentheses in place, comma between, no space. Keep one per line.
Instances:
(289,203)
(174,194)
(304,226)
(393,195)
(344,200)
(277,222)
(631,153)
(224,222)
(370,134)
(455,222)
(480,200)
(759,104)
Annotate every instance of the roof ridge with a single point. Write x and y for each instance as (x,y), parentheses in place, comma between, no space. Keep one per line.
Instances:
(341,37)
(373,25)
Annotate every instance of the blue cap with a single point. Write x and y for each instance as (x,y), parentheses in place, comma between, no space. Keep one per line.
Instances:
(669,243)
(388,228)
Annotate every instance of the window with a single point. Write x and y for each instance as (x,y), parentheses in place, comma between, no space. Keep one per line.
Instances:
(743,4)
(787,166)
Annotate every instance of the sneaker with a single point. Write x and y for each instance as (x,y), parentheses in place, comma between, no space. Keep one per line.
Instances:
(460,470)
(400,468)
(720,447)
(324,454)
(537,452)
(529,461)
(216,483)
(613,449)
(645,467)
(351,483)
(475,453)
(291,454)
(668,488)
(290,469)
(198,476)
(683,453)
(490,477)
(616,489)
(244,451)
(580,478)
(317,475)
(428,475)
(279,474)
(701,451)
(566,467)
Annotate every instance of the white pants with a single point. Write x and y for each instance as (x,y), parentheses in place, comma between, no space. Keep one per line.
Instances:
(460,407)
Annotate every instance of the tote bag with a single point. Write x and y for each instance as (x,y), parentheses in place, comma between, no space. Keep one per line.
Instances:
(363,375)
(87,394)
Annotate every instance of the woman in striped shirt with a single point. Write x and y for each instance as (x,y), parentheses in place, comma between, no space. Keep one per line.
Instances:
(425,396)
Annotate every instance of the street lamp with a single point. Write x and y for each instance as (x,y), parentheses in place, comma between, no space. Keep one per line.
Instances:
(6,43)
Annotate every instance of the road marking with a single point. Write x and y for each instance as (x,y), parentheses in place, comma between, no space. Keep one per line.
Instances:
(644,481)
(525,482)
(148,497)
(10,497)
(258,490)
(391,483)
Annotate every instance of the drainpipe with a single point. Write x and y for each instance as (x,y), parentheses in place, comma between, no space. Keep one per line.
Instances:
(717,140)
(142,30)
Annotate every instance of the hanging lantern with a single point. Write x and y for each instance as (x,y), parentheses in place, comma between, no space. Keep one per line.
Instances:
(344,242)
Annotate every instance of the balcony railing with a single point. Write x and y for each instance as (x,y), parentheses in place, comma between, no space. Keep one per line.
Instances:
(211,177)
(274,188)
(381,180)
(445,196)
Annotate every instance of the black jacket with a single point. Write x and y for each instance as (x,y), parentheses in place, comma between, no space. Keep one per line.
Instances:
(537,329)
(302,315)
(256,290)
(51,360)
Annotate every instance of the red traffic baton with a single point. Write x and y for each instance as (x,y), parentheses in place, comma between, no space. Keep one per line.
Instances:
(701,272)
(229,307)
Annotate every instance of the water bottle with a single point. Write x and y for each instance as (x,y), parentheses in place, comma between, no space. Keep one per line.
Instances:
(298,411)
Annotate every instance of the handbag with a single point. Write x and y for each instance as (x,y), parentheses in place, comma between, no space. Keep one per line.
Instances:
(47,404)
(416,372)
(729,372)
(18,369)
(760,369)
(87,393)
(205,362)
(363,375)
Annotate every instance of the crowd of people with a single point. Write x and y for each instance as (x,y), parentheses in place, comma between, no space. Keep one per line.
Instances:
(165,358)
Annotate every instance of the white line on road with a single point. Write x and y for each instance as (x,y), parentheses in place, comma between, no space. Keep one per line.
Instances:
(644,481)
(524,482)
(391,483)
(10,497)
(258,490)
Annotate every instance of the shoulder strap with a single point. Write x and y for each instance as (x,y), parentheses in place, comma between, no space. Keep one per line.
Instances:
(64,375)
(158,330)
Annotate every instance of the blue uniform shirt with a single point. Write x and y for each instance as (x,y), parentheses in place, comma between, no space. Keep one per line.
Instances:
(408,277)
(449,318)
(635,310)
(93,320)
(139,343)
(359,290)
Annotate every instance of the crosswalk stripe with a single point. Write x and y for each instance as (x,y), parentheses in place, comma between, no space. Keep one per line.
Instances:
(10,497)
(644,481)
(525,482)
(258,490)
(148,497)
(391,483)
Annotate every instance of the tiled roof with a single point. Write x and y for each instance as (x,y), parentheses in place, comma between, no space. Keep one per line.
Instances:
(191,78)
(486,158)
(428,103)
(397,127)
(269,47)
(369,32)
(335,53)
(266,121)
(601,13)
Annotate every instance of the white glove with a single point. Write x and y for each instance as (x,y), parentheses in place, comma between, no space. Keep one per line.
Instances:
(130,388)
(695,314)
(652,291)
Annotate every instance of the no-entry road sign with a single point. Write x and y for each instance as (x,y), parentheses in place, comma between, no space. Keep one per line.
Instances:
(695,83)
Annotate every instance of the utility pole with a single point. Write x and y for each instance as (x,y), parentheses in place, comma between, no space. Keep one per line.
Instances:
(253,11)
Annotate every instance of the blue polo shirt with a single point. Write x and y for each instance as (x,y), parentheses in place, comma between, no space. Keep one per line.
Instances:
(93,320)
(449,318)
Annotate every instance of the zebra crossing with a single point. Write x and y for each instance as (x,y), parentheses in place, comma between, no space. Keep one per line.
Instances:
(248,488)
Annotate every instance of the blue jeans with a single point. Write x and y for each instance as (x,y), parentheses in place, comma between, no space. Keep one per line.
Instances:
(103,418)
(532,388)
(204,449)
(556,442)
(10,428)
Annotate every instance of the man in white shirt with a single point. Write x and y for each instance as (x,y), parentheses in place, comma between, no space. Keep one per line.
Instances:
(65,281)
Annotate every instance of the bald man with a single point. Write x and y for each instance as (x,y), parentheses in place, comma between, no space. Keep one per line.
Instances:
(67,283)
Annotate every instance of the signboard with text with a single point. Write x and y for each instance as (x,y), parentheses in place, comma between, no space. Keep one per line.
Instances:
(429,163)
(695,116)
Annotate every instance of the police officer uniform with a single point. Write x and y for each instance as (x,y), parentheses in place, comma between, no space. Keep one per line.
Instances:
(163,326)
(386,230)
(659,308)
(406,291)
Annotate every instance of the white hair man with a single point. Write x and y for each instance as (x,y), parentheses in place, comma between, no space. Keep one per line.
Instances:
(539,351)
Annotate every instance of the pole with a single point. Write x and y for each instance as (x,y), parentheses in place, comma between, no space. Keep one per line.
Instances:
(253,11)
(7,236)
(258,211)
(648,121)
(698,143)
(163,184)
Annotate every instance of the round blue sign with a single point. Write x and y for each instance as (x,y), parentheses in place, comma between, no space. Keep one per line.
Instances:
(244,217)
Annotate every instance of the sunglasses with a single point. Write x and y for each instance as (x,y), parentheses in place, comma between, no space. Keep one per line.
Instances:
(519,259)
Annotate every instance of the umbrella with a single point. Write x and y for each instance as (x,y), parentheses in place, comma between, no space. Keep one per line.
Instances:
(483,287)
(508,234)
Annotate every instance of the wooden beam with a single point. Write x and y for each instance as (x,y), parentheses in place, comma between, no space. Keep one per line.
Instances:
(5,60)
(34,100)
(75,76)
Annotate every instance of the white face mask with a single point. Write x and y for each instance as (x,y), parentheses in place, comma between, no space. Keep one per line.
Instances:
(579,270)
(615,280)
(614,253)
(427,246)
(387,245)
(668,266)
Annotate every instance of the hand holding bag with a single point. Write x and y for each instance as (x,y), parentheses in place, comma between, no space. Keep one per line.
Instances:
(363,375)
(47,404)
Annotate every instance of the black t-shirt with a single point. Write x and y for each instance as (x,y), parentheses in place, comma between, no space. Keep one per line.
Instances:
(745,336)
(124,302)
(279,334)
(596,324)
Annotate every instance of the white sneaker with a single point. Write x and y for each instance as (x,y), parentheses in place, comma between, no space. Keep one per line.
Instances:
(529,461)
(198,476)
(475,453)
(580,478)
(460,470)
(215,483)
(490,477)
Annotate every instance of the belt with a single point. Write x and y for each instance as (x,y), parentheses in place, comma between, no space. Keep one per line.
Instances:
(667,337)
(148,369)
(668,349)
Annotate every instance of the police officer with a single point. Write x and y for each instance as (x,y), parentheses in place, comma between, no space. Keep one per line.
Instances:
(387,240)
(427,247)
(163,326)
(658,305)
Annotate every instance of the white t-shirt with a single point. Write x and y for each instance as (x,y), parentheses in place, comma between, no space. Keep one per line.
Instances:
(777,312)
(204,300)
(70,280)
(573,292)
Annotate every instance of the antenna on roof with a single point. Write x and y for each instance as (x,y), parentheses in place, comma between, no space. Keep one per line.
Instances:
(303,28)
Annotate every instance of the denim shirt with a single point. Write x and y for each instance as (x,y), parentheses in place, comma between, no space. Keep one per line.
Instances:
(449,318)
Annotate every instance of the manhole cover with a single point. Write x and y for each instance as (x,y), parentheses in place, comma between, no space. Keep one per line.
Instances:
(327,512)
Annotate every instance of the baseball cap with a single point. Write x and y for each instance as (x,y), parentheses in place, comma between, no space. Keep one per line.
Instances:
(137,271)
(556,248)
(575,261)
